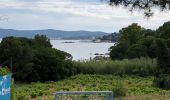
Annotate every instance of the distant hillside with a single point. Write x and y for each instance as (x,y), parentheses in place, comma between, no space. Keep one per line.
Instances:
(113,37)
(52,34)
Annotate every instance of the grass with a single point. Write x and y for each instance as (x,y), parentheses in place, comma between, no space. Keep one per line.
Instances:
(138,66)
(137,88)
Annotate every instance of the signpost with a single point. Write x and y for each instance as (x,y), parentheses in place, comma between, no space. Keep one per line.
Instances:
(5,87)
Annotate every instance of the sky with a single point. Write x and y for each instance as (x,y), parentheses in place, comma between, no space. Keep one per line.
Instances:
(90,15)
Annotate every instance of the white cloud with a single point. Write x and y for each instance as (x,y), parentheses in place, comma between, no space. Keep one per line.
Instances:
(94,9)
(75,15)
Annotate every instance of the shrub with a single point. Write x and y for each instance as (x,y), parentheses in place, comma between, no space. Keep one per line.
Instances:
(138,66)
(119,90)
(4,71)
(163,81)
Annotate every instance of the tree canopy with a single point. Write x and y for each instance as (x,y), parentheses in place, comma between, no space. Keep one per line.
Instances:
(34,59)
(164,30)
(136,42)
(146,5)
(132,33)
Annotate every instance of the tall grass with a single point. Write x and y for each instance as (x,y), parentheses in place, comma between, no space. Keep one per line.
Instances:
(138,66)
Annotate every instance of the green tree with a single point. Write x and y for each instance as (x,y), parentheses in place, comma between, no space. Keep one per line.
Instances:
(168,42)
(22,57)
(48,65)
(153,50)
(149,33)
(150,43)
(42,40)
(164,31)
(162,79)
(34,59)
(147,41)
(119,50)
(128,36)
(131,34)
(137,51)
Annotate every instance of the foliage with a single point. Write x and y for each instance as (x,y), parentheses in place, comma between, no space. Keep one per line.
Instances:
(131,34)
(130,44)
(34,59)
(119,90)
(12,48)
(138,66)
(145,5)
(13,97)
(119,51)
(163,58)
(149,33)
(42,40)
(134,86)
(147,41)
(136,42)
(4,71)
(151,46)
(164,30)
(137,51)
(163,70)
(163,81)
(168,42)
(50,64)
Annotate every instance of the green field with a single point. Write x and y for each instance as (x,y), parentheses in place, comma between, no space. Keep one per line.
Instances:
(126,87)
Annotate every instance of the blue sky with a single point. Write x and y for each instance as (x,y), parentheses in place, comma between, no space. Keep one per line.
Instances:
(91,15)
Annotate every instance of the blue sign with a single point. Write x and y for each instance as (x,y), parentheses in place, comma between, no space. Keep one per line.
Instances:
(5,87)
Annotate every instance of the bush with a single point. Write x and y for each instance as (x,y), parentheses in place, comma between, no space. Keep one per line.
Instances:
(163,81)
(119,90)
(138,66)
(4,71)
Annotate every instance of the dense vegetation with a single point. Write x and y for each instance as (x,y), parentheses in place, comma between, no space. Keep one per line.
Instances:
(4,71)
(34,59)
(138,66)
(135,42)
(141,52)
(132,87)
